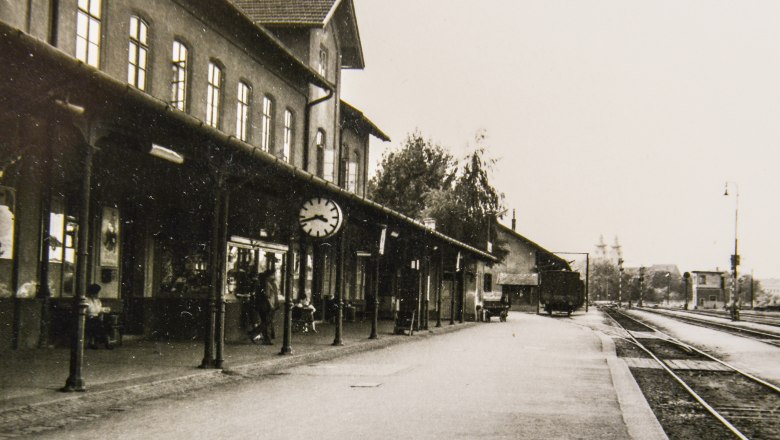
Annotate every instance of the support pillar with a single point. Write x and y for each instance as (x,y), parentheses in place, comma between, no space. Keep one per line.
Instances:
(289,278)
(219,343)
(214,265)
(439,281)
(75,381)
(44,294)
(453,292)
(462,300)
(342,244)
(375,305)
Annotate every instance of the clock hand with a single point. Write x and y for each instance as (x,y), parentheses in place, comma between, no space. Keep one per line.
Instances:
(314,217)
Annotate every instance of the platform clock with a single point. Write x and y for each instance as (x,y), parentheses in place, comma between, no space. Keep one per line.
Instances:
(320,217)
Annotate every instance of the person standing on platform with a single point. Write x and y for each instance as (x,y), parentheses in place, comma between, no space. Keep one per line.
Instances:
(265,287)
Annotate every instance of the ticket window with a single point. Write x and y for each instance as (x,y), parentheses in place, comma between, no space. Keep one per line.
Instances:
(7,221)
(63,232)
(245,261)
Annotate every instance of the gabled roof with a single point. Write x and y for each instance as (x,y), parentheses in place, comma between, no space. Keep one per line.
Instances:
(305,13)
(311,13)
(554,261)
(356,120)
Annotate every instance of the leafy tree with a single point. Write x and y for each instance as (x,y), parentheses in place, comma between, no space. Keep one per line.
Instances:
(407,175)
(423,180)
(468,210)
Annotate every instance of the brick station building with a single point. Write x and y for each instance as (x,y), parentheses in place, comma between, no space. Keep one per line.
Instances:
(165,149)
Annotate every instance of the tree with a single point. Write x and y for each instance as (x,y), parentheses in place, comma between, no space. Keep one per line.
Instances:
(407,175)
(424,180)
(470,207)
(468,210)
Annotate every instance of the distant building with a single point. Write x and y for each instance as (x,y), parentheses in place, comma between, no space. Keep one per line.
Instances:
(518,273)
(708,289)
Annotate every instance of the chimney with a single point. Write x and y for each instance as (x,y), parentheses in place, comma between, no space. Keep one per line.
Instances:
(514,220)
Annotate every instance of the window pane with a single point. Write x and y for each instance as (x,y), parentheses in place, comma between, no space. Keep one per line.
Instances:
(134,27)
(92,55)
(81,49)
(81,25)
(94,8)
(130,74)
(94,31)
(142,34)
(142,58)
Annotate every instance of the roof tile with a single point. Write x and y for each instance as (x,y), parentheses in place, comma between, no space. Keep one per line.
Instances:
(287,12)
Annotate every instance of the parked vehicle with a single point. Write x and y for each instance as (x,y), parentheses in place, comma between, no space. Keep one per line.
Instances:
(496,304)
(560,291)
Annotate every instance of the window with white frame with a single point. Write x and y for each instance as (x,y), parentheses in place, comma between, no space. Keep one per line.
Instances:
(242,111)
(88,19)
(329,164)
(319,141)
(352,171)
(138,53)
(266,125)
(214,95)
(179,80)
(288,135)
(322,68)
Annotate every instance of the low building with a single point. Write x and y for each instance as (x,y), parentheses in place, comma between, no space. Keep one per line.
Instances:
(708,290)
(518,273)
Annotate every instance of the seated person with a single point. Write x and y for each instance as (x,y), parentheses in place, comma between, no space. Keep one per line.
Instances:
(307,310)
(95,330)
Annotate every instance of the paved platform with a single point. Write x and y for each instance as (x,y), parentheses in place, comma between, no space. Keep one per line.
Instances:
(140,370)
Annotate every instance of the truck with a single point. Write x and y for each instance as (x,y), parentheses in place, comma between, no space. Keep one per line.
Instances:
(560,291)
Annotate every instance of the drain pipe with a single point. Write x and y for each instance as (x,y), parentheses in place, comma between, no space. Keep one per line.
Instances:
(306,120)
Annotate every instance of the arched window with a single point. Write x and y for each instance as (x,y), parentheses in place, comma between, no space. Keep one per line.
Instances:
(352,170)
(138,53)
(266,126)
(88,33)
(319,141)
(242,110)
(288,135)
(214,95)
(179,81)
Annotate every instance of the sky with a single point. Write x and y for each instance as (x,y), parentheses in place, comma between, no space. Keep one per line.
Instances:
(613,118)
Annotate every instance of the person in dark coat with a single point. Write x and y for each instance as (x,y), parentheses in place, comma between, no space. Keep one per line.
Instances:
(265,286)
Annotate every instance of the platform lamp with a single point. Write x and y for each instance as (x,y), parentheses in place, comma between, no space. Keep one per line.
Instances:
(735,256)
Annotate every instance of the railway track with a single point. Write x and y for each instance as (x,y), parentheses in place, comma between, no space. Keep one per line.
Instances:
(745,315)
(743,405)
(757,335)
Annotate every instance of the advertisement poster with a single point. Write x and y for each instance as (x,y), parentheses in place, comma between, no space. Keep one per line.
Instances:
(109,238)
(7,201)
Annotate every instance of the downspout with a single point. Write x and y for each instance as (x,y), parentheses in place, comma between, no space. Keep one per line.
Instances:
(306,128)
(342,164)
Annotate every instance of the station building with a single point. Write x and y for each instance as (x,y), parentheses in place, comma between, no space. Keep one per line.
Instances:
(165,151)
(517,274)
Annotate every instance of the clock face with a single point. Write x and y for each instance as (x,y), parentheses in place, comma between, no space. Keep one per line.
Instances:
(320,217)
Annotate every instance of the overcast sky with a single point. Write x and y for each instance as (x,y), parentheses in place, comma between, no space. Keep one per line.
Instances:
(609,117)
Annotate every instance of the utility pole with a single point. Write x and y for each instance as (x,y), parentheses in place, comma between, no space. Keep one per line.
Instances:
(620,283)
